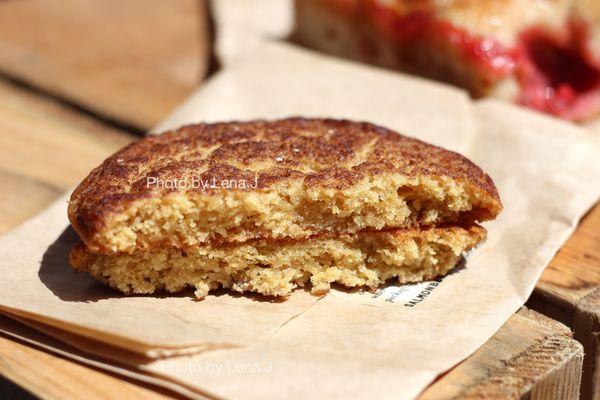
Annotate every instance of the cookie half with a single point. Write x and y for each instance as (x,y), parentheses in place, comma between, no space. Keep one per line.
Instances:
(363,260)
(285,179)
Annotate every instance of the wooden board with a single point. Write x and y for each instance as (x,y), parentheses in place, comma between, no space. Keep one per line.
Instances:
(531,357)
(132,61)
(46,149)
(21,197)
(50,143)
(51,377)
(569,291)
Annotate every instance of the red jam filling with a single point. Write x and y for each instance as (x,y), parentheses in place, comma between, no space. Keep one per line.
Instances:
(558,74)
(487,55)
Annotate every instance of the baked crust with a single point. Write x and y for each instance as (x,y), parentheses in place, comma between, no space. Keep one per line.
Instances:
(317,153)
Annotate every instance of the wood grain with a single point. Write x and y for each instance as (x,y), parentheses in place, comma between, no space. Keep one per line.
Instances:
(47,144)
(21,197)
(576,267)
(52,377)
(132,61)
(569,291)
(529,357)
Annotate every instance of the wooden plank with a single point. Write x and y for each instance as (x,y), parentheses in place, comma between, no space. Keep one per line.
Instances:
(22,197)
(569,291)
(132,61)
(51,377)
(530,357)
(48,145)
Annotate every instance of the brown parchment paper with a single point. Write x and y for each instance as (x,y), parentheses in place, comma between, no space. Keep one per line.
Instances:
(389,344)
(281,80)
(243,24)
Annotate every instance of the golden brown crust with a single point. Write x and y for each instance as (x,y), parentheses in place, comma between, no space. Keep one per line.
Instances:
(318,152)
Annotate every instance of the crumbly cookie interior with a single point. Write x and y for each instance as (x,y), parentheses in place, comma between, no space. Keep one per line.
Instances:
(275,268)
(290,210)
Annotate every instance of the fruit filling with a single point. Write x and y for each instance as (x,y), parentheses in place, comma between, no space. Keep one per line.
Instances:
(555,70)
(559,75)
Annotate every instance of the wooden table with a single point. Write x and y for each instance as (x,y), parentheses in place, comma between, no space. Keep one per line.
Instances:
(81,80)
(130,62)
(569,291)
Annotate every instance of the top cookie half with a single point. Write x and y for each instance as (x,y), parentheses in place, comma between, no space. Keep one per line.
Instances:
(286,179)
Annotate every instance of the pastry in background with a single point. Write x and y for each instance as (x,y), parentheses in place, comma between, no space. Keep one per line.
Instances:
(544,54)
(269,206)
